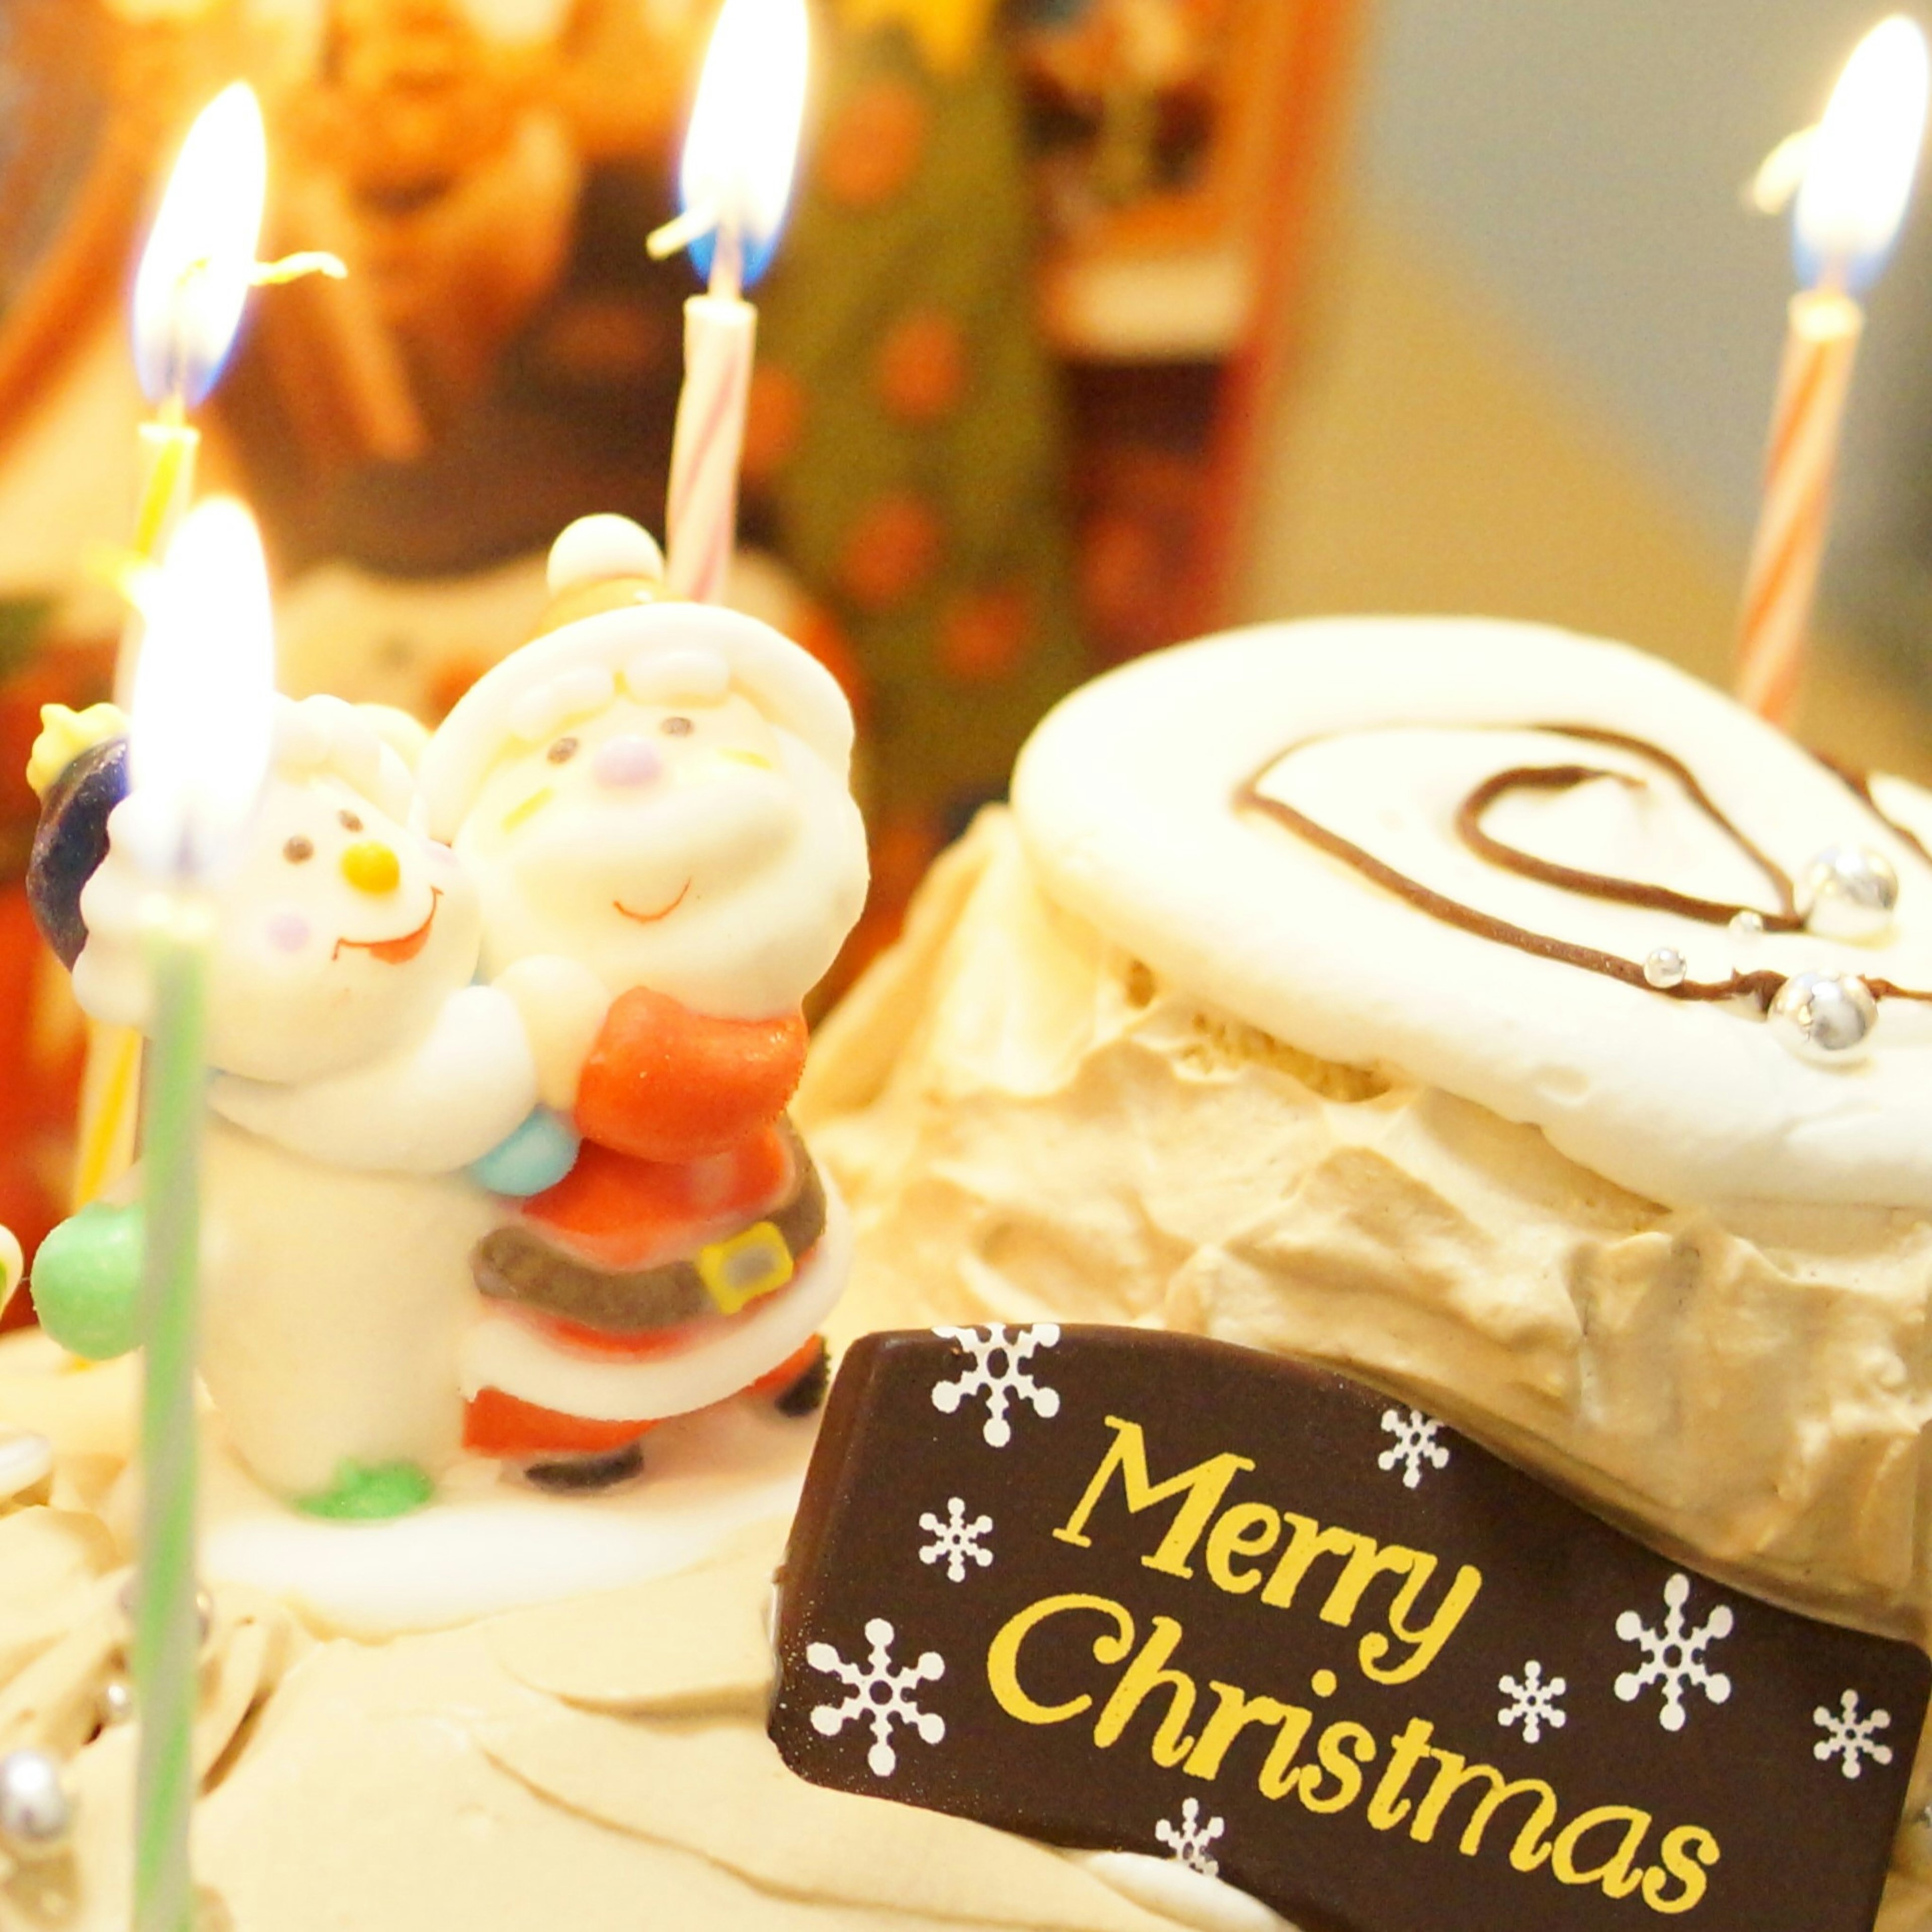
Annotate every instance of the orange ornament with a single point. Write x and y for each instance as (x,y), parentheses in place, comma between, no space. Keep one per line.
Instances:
(890,551)
(774,422)
(984,635)
(874,146)
(921,366)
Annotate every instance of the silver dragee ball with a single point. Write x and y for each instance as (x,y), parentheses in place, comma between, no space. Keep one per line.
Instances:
(1825,1018)
(36,1814)
(1849,891)
(117,1701)
(1664,968)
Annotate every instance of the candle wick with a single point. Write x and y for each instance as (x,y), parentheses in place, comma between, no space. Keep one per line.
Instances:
(727,264)
(680,234)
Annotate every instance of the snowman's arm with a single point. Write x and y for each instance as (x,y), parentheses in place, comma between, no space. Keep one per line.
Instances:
(87,1281)
(436,1106)
(536,1156)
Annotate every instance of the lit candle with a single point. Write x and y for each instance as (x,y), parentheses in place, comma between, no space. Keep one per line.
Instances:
(190,293)
(198,753)
(1859,168)
(740,155)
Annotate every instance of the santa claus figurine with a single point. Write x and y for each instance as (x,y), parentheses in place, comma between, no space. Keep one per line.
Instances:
(652,799)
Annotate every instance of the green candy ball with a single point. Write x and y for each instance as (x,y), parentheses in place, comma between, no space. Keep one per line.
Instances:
(87,1281)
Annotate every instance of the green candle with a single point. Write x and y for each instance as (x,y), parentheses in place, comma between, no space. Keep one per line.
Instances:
(167,1635)
(199,746)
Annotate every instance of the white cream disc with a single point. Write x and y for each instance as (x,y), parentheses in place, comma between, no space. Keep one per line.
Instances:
(1378,729)
(489,1544)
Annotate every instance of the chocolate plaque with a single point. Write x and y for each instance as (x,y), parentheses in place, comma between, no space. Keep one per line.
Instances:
(1109,1587)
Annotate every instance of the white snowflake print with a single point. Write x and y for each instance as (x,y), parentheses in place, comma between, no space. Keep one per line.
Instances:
(1536,1700)
(956,1541)
(999,1372)
(1415,1443)
(878,1694)
(1848,1737)
(1673,1656)
(1189,1840)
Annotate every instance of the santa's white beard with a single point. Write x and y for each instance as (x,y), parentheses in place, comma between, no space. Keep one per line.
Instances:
(751,947)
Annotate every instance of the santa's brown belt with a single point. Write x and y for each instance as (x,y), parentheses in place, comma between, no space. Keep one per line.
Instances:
(518,1264)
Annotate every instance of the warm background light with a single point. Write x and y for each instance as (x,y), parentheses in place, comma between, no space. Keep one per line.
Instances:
(200,261)
(1861,165)
(741,148)
(200,734)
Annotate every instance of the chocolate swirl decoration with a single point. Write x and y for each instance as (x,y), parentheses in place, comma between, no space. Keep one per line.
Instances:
(1758,988)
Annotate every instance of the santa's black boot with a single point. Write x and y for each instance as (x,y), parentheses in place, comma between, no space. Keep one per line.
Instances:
(806,1390)
(587,1475)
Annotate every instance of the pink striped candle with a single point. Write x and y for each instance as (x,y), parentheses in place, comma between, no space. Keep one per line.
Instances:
(1858,173)
(740,155)
(721,329)
(1781,585)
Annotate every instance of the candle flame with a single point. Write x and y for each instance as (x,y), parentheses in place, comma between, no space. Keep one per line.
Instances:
(201,726)
(741,148)
(1861,166)
(197,268)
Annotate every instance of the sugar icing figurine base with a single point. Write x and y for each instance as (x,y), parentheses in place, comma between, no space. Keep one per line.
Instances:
(652,800)
(359,1071)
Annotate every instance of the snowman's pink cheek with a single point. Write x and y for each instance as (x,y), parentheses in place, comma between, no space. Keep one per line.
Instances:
(288,931)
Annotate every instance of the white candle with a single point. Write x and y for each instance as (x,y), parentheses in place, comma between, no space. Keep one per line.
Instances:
(739,155)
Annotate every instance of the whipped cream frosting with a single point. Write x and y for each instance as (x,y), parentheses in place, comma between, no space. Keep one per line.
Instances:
(1030,1123)
(1128,798)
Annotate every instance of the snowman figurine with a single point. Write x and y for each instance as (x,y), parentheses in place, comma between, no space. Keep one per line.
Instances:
(358,1075)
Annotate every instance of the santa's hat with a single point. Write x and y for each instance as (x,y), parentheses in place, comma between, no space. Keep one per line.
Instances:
(610,626)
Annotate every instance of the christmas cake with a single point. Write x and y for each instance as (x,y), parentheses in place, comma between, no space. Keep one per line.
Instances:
(1495,1016)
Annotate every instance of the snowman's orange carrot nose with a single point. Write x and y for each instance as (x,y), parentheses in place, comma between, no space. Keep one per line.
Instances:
(371,867)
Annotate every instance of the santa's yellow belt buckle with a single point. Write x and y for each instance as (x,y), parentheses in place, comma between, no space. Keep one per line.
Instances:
(756,1262)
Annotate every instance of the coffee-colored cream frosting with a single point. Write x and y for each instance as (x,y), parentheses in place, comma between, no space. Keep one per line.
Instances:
(1029,1121)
